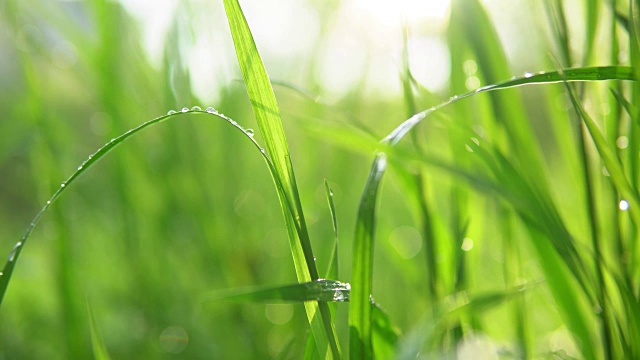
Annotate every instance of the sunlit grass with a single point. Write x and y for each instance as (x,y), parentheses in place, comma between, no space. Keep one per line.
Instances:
(505,224)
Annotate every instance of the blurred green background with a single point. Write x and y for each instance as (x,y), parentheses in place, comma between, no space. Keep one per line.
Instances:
(188,206)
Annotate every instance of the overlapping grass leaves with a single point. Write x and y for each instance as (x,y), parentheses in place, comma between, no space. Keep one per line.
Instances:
(360,318)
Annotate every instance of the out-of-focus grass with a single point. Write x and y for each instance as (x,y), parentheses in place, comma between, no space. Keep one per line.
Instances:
(188,207)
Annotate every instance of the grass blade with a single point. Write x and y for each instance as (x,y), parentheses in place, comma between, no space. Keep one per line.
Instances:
(267,115)
(332,271)
(576,74)
(610,159)
(99,350)
(319,290)
(360,316)
(7,271)
(450,311)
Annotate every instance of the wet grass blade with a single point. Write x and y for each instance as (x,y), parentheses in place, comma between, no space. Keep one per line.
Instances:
(7,271)
(319,290)
(600,73)
(267,115)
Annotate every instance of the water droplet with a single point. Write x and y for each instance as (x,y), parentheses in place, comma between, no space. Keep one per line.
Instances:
(249,132)
(171,112)
(467,244)
(622,142)
(174,339)
(48,202)
(262,150)
(185,109)
(338,296)
(1,273)
(233,122)
(453,98)
(211,110)
(476,141)
(196,108)
(623,205)
(79,167)
(528,74)
(14,251)
(63,185)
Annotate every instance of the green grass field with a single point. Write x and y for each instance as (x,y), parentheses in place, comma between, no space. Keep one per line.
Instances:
(461,182)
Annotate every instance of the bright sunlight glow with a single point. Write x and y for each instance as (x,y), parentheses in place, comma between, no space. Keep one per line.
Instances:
(395,13)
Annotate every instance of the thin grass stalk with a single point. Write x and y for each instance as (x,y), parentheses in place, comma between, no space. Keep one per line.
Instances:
(601,289)
(615,131)
(511,271)
(587,174)
(634,137)
(419,181)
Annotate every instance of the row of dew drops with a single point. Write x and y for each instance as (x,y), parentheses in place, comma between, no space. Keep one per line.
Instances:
(249,132)
(212,110)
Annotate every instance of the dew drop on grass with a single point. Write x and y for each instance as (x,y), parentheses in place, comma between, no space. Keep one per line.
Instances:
(63,185)
(528,74)
(623,205)
(249,132)
(467,244)
(171,112)
(14,251)
(185,109)
(211,110)
(196,108)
